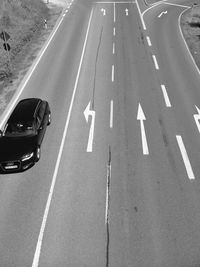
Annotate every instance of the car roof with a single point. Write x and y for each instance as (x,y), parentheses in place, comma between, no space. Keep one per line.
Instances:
(25,110)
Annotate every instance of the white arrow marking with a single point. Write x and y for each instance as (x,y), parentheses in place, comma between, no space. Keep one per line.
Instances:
(88,112)
(126,10)
(185,158)
(164,12)
(197,118)
(141,117)
(104,11)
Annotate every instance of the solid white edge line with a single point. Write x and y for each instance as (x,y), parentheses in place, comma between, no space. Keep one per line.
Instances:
(141,16)
(155,62)
(185,158)
(27,77)
(149,41)
(166,97)
(111,114)
(173,4)
(116,2)
(40,238)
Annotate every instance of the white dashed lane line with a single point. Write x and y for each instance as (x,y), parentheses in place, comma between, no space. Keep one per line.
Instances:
(155,62)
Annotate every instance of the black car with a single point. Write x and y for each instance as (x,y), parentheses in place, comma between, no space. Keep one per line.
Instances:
(21,139)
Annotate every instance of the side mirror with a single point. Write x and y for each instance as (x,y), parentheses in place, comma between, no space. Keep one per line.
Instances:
(1,133)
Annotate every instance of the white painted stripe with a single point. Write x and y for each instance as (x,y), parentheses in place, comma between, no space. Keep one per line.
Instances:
(111,114)
(113,48)
(113,73)
(149,41)
(167,102)
(173,4)
(141,16)
(44,220)
(116,2)
(114,13)
(114,32)
(155,62)
(185,158)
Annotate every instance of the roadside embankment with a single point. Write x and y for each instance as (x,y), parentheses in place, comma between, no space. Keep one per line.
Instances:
(190,25)
(28,24)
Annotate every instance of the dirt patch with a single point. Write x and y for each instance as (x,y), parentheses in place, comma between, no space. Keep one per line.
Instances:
(190,25)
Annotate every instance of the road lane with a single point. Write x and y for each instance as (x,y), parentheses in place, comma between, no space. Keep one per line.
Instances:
(154,208)
(78,235)
(151,206)
(182,82)
(24,195)
(181,78)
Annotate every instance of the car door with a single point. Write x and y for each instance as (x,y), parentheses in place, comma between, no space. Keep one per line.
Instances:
(41,121)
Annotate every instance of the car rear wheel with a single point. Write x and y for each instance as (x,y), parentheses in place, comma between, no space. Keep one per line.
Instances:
(37,154)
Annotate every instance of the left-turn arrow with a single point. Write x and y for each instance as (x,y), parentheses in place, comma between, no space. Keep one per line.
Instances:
(89,112)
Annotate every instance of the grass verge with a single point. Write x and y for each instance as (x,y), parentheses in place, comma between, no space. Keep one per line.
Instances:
(28,33)
(190,25)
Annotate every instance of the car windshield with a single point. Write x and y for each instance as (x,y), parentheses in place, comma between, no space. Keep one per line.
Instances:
(19,129)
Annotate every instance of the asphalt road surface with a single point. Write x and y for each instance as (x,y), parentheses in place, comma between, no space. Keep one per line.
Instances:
(118,180)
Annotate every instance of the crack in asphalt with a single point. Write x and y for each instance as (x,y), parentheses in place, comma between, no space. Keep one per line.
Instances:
(108,208)
(95,68)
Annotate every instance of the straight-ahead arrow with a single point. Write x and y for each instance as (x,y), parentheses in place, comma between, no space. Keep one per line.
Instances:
(89,112)
(141,117)
(104,11)
(126,10)
(197,118)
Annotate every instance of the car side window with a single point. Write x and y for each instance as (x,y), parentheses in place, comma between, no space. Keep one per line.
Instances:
(40,114)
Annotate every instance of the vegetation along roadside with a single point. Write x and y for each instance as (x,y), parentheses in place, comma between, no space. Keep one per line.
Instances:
(190,25)
(25,25)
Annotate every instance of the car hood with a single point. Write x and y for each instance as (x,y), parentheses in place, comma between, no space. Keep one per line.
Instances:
(13,148)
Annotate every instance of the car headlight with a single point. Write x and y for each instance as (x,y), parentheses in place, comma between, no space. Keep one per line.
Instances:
(27,156)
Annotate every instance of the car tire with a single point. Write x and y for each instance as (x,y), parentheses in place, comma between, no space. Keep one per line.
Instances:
(37,154)
(49,119)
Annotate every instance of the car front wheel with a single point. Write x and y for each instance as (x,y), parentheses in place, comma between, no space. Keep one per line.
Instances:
(37,154)
(49,119)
